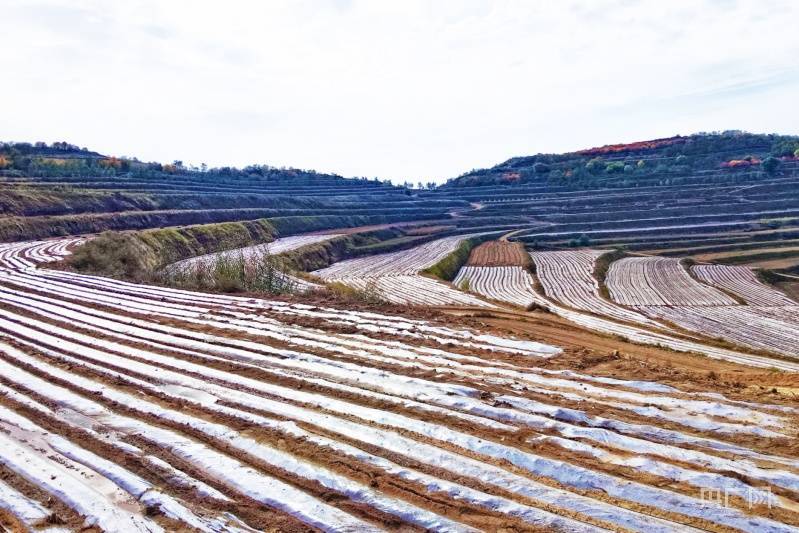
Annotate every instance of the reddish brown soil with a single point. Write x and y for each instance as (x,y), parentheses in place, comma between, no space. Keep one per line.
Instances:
(499,253)
(600,354)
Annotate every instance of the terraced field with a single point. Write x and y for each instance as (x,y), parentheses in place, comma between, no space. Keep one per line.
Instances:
(510,284)
(662,289)
(136,408)
(395,276)
(401,263)
(568,278)
(639,281)
(573,295)
(742,282)
(276,247)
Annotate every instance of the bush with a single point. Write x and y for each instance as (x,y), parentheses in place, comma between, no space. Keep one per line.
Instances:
(259,271)
(614,167)
(114,254)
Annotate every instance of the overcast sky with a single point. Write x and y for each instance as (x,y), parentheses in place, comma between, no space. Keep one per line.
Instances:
(406,89)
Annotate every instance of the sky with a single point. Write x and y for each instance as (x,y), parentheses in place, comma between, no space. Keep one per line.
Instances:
(417,90)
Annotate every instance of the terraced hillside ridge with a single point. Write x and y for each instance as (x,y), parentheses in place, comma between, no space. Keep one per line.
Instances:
(276,247)
(254,254)
(516,286)
(395,276)
(680,194)
(129,407)
(711,197)
(662,289)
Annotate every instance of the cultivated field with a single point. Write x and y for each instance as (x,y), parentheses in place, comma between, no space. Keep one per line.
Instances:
(568,278)
(395,276)
(510,284)
(135,408)
(742,282)
(414,290)
(29,254)
(401,263)
(637,281)
(499,253)
(515,286)
(662,289)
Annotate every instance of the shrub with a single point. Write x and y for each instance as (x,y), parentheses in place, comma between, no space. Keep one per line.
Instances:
(615,167)
(259,271)
(114,254)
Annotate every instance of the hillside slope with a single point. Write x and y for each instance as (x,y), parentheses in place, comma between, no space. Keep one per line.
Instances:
(730,196)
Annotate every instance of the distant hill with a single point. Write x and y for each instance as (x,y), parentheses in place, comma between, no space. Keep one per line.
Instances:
(60,189)
(698,158)
(729,197)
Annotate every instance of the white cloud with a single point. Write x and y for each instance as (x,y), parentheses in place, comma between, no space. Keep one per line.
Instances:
(402,89)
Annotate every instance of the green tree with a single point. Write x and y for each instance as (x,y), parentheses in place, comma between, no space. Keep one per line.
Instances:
(771,164)
(796,153)
(595,166)
(784,148)
(615,167)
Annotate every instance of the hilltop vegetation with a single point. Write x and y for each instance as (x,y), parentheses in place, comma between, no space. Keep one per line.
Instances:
(674,160)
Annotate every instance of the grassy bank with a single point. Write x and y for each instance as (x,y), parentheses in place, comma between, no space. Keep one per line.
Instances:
(136,255)
(449,266)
